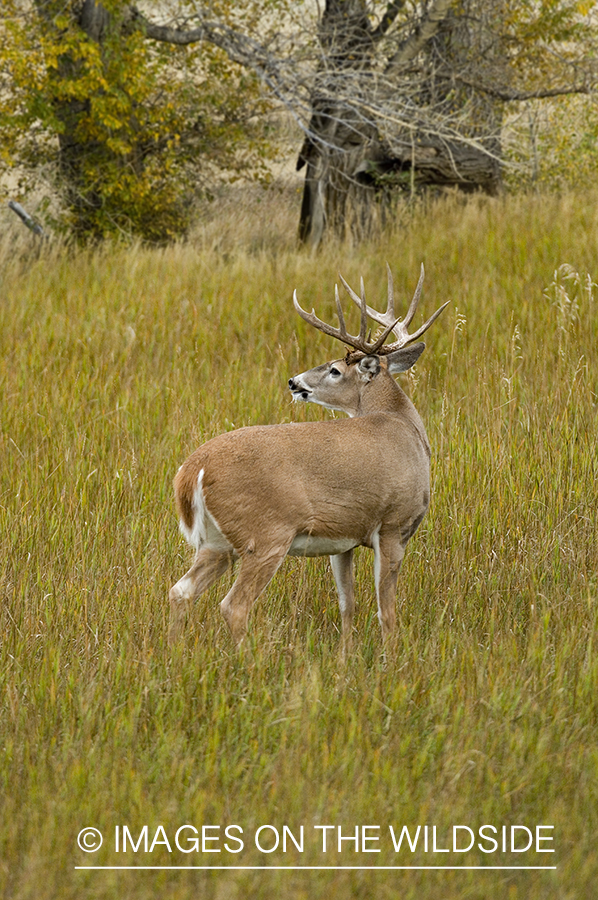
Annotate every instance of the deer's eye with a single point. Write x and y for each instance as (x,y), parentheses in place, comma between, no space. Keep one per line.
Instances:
(334,371)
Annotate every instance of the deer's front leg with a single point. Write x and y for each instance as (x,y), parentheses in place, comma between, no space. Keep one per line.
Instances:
(342,569)
(388,556)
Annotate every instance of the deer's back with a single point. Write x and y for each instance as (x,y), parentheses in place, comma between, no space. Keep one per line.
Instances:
(336,479)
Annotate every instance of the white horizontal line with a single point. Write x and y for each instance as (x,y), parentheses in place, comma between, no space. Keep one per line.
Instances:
(317,868)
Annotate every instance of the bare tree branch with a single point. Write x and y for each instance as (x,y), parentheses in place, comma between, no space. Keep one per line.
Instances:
(387,20)
(26,219)
(425,30)
(240,47)
(417,100)
(507,94)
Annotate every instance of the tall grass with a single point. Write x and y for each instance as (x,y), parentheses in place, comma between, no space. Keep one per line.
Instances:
(114,365)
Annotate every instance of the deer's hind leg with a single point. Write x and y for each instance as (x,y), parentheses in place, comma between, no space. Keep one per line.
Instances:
(389,550)
(258,566)
(209,565)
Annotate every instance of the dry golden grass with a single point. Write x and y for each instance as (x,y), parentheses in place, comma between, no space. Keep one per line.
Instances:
(114,364)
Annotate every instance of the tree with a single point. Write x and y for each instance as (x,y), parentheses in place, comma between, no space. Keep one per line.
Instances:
(126,127)
(415,96)
(392,96)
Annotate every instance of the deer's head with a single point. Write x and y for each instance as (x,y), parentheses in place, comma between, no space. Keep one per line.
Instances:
(361,381)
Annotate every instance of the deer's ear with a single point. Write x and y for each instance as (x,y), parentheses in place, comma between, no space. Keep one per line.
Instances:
(403,359)
(368,367)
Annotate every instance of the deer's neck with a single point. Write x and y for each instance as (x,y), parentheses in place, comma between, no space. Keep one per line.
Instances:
(383,395)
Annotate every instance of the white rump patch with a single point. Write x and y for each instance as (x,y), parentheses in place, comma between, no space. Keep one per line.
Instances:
(205,531)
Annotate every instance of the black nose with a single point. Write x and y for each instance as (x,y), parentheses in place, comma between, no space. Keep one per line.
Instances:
(291,383)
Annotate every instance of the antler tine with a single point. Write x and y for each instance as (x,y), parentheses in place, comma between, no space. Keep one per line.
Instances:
(426,325)
(390,305)
(401,328)
(377,346)
(360,302)
(354,297)
(364,313)
(356,341)
(312,319)
(339,309)
(415,300)
(385,319)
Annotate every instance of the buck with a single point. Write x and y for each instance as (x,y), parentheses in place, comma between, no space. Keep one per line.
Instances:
(263,492)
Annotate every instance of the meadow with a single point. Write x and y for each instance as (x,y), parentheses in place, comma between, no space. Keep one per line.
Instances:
(115,364)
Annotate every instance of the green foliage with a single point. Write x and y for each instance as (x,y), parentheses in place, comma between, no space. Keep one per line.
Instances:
(550,142)
(129,129)
(114,364)
(553,145)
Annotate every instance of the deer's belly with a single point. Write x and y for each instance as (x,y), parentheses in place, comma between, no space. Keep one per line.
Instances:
(311,545)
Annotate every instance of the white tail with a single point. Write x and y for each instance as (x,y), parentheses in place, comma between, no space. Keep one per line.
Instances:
(264,492)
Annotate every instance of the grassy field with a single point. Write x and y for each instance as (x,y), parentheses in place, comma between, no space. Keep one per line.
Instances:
(114,365)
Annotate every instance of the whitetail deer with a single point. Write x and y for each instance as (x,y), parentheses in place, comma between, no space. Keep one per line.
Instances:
(312,489)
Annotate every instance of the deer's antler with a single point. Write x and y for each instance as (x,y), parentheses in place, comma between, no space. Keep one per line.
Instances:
(388,320)
(357,341)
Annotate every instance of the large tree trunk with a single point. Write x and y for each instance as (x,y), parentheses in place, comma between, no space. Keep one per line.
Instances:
(78,153)
(93,19)
(336,196)
(337,134)
(349,163)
